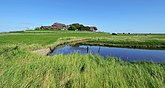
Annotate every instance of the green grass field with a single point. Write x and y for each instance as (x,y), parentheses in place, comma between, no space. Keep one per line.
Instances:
(21,68)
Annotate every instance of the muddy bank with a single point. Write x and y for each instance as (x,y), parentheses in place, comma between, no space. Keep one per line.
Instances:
(47,51)
(42,51)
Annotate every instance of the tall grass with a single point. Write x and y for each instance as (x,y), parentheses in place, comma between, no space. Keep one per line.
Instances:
(20,69)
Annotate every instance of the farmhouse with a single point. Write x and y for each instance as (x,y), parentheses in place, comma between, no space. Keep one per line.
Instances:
(55,26)
(59,26)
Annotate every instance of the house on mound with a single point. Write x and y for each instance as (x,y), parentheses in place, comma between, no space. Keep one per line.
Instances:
(59,26)
(55,26)
(75,26)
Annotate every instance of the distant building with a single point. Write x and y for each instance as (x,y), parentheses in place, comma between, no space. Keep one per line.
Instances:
(93,28)
(115,33)
(59,26)
(55,26)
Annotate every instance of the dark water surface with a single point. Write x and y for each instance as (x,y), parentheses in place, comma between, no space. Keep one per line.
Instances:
(126,54)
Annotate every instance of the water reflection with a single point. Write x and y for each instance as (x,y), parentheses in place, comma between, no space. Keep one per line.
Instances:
(125,54)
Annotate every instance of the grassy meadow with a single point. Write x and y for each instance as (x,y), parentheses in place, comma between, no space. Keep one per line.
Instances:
(22,68)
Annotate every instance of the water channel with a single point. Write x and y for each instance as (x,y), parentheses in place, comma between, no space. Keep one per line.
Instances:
(126,54)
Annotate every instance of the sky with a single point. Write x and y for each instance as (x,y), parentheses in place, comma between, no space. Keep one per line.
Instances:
(133,16)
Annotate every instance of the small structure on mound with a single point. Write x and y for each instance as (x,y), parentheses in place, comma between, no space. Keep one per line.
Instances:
(114,33)
(75,27)
(59,26)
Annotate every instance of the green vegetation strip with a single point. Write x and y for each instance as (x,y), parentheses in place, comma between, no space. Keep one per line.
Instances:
(21,68)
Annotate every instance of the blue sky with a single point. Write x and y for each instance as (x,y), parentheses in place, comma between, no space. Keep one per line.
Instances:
(142,16)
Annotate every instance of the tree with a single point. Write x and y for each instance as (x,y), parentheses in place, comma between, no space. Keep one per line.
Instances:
(79,27)
(86,28)
(72,27)
(38,28)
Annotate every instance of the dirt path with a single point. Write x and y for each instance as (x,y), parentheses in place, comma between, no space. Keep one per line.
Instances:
(46,51)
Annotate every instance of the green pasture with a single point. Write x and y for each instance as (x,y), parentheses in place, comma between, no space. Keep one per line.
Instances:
(22,68)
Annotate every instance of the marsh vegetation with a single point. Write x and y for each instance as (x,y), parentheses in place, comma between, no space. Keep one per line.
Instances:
(20,67)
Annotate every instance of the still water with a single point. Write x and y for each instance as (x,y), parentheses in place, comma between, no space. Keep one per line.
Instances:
(126,54)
